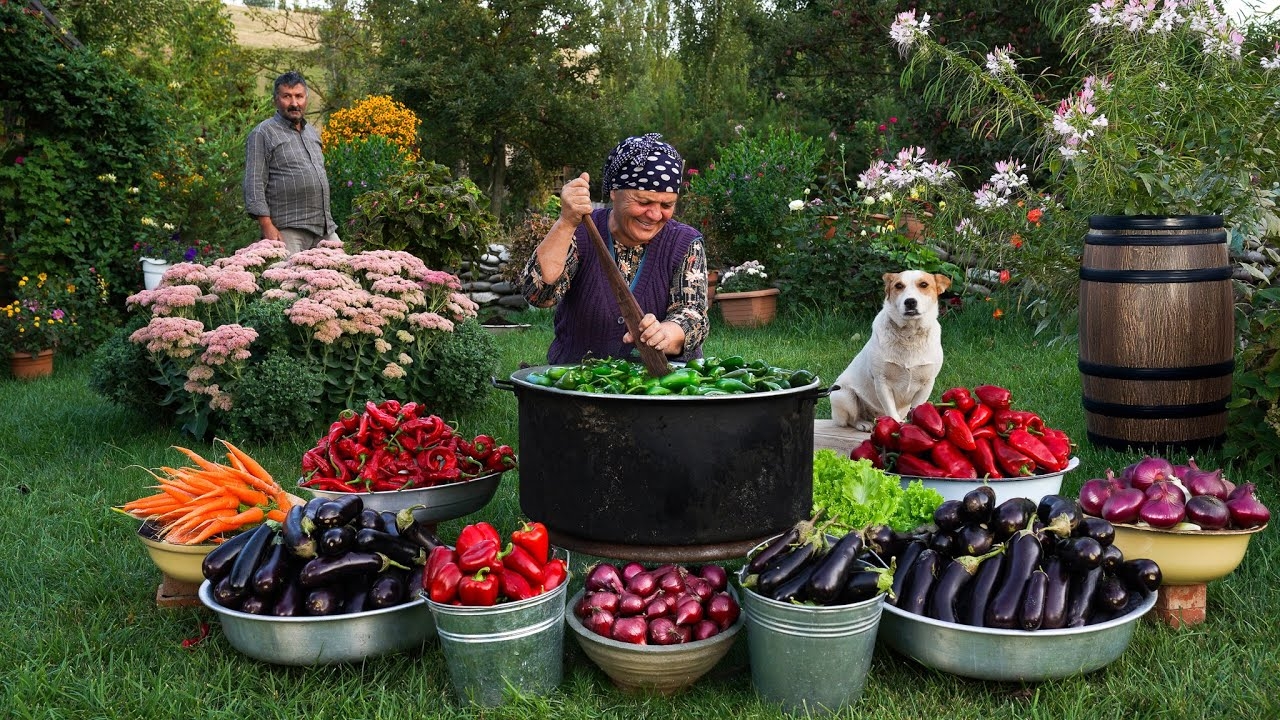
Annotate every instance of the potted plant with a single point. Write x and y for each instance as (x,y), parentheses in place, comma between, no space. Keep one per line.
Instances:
(33,325)
(746,297)
(161,246)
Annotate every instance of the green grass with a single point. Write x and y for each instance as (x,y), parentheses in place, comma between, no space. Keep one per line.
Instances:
(81,635)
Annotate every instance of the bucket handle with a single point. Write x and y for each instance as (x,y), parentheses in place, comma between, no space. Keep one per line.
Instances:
(822,392)
(502,384)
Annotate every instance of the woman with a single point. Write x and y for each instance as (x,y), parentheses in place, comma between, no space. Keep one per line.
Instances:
(664,261)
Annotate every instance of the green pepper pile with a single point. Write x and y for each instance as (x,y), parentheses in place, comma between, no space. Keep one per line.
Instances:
(708,376)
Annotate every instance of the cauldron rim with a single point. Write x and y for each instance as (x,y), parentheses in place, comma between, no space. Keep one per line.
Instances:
(520,378)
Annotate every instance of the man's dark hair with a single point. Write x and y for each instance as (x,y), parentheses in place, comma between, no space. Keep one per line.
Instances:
(289,79)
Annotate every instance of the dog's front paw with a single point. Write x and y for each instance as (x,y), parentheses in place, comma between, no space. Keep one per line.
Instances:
(863,426)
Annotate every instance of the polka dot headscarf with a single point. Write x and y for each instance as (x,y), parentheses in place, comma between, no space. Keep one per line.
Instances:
(643,163)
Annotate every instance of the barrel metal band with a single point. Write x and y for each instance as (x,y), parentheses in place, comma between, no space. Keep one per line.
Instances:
(1210,238)
(1155,222)
(1155,276)
(1193,372)
(1122,444)
(1155,412)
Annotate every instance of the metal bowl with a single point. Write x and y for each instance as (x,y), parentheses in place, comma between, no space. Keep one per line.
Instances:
(1032,486)
(439,502)
(1009,655)
(663,669)
(1186,557)
(324,640)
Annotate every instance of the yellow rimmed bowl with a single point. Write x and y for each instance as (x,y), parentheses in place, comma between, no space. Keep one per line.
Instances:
(180,562)
(1186,557)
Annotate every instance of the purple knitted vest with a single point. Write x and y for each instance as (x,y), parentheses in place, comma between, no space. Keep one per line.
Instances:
(588,321)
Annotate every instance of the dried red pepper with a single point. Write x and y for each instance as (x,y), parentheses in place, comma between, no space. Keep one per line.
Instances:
(958,432)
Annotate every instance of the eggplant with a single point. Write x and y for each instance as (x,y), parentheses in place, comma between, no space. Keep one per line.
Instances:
(865,584)
(357,602)
(974,539)
(1080,596)
(271,576)
(1031,611)
(1080,553)
(902,568)
(323,600)
(947,515)
(422,535)
(981,588)
(290,602)
(882,540)
(414,583)
(389,524)
(227,596)
(924,573)
(1140,574)
(389,588)
(309,510)
(1111,595)
(945,594)
(322,571)
(336,540)
(250,557)
(773,550)
(978,504)
(370,518)
(1060,515)
(218,562)
(1058,581)
(1112,556)
(944,543)
(296,533)
(256,605)
(1098,529)
(396,548)
(793,589)
(1024,553)
(785,567)
(832,572)
(338,511)
(1011,516)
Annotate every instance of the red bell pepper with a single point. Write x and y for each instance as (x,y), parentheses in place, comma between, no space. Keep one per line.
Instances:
(518,559)
(480,554)
(1058,443)
(471,534)
(1030,445)
(914,439)
(533,537)
(926,416)
(479,590)
(866,450)
(958,432)
(979,416)
(994,396)
(984,459)
(986,431)
(444,584)
(513,586)
(911,465)
(438,558)
(885,433)
(1011,462)
(951,461)
(959,398)
(554,574)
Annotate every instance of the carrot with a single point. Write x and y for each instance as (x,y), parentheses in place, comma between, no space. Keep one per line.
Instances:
(266,486)
(196,458)
(235,462)
(276,514)
(283,500)
(251,465)
(234,522)
(246,495)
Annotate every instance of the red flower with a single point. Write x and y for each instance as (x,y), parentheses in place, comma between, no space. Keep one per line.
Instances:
(893,120)
(20,159)
(1016,240)
(1035,215)
(997,314)
(882,128)
(1004,277)
(693,171)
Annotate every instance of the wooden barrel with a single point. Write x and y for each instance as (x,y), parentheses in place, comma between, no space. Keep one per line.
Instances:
(1157,333)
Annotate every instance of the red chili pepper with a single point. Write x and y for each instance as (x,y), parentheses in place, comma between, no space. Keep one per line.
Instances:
(438,462)
(500,459)
(409,411)
(202,632)
(984,459)
(994,396)
(438,558)
(513,585)
(554,574)
(913,439)
(390,407)
(926,416)
(350,419)
(1058,443)
(959,398)
(1030,445)
(313,461)
(986,431)
(482,445)
(885,433)
(384,419)
(471,534)
(444,583)
(534,538)
(329,484)
(866,450)
(479,590)
(1011,462)
(951,461)
(480,554)
(979,416)
(911,465)
(518,559)
(336,430)
(958,432)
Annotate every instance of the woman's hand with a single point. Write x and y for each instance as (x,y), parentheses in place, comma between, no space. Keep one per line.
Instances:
(665,336)
(575,200)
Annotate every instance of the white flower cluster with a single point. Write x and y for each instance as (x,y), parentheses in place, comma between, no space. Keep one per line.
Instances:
(906,28)
(1078,119)
(749,273)
(908,170)
(1150,17)
(1000,62)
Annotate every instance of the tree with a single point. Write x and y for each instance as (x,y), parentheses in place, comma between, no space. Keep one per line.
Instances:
(494,82)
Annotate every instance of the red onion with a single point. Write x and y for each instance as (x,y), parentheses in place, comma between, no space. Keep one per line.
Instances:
(1164,505)
(630,569)
(1096,491)
(698,587)
(662,631)
(630,630)
(600,600)
(688,611)
(1148,470)
(723,610)
(604,577)
(642,584)
(705,629)
(1204,482)
(715,575)
(685,632)
(630,604)
(659,606)
(1245,508)
(599,622)
(1208,511)
(1123,505)
(671,583)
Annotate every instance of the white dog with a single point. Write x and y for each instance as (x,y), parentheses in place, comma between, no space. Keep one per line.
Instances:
(895,370)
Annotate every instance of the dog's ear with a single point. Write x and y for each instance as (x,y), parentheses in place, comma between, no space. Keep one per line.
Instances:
(889,280)
(944,282)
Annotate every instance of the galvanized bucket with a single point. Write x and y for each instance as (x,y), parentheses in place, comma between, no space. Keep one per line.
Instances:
(513,647)
(810,658)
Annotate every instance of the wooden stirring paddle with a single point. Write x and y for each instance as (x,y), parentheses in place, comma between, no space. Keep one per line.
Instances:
(655,361)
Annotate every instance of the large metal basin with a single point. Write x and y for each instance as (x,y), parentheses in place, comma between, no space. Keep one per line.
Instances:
(669,478)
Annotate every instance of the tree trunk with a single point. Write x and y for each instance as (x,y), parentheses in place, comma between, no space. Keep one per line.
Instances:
(498,175)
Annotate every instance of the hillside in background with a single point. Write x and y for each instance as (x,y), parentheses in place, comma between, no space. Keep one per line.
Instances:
(253,32)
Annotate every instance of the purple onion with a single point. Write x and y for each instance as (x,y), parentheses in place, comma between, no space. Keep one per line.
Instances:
(1208,511)
(662,631)
(698,587)
(630,630)
(630,569)
(688,611)
(671,583)
(642,584)
(1204,482)
(715,575)
(1093,493)
(705,629)
(1245,508)
(723,610)
(604,577)
(1123,505)
(1164,506)
(599,622)
(1148,470)
(630,604)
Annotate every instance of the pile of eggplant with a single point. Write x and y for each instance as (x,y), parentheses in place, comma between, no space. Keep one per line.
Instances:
(807,566)
(329,557)
(1019,565)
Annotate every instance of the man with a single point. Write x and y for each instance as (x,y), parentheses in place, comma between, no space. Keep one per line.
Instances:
(285,186)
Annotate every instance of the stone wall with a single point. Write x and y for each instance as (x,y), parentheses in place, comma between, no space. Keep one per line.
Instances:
(484,283)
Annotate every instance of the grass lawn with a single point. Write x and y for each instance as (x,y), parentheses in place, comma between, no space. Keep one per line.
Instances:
(82,637)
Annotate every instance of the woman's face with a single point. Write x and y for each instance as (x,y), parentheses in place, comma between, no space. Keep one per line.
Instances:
(639,215)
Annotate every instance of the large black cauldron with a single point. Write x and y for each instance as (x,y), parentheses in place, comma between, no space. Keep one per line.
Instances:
(672,477)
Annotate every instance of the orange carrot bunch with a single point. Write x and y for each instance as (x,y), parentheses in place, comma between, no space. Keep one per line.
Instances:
(198,504)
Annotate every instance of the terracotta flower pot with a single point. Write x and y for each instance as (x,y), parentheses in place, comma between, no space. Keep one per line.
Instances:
(28,367)
(756,308)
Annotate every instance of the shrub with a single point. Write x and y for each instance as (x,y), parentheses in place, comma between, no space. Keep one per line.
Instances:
(1254,429)
(459,369)
(376,115)
(277,397)
(121,371)
(359,166)
(523,239)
